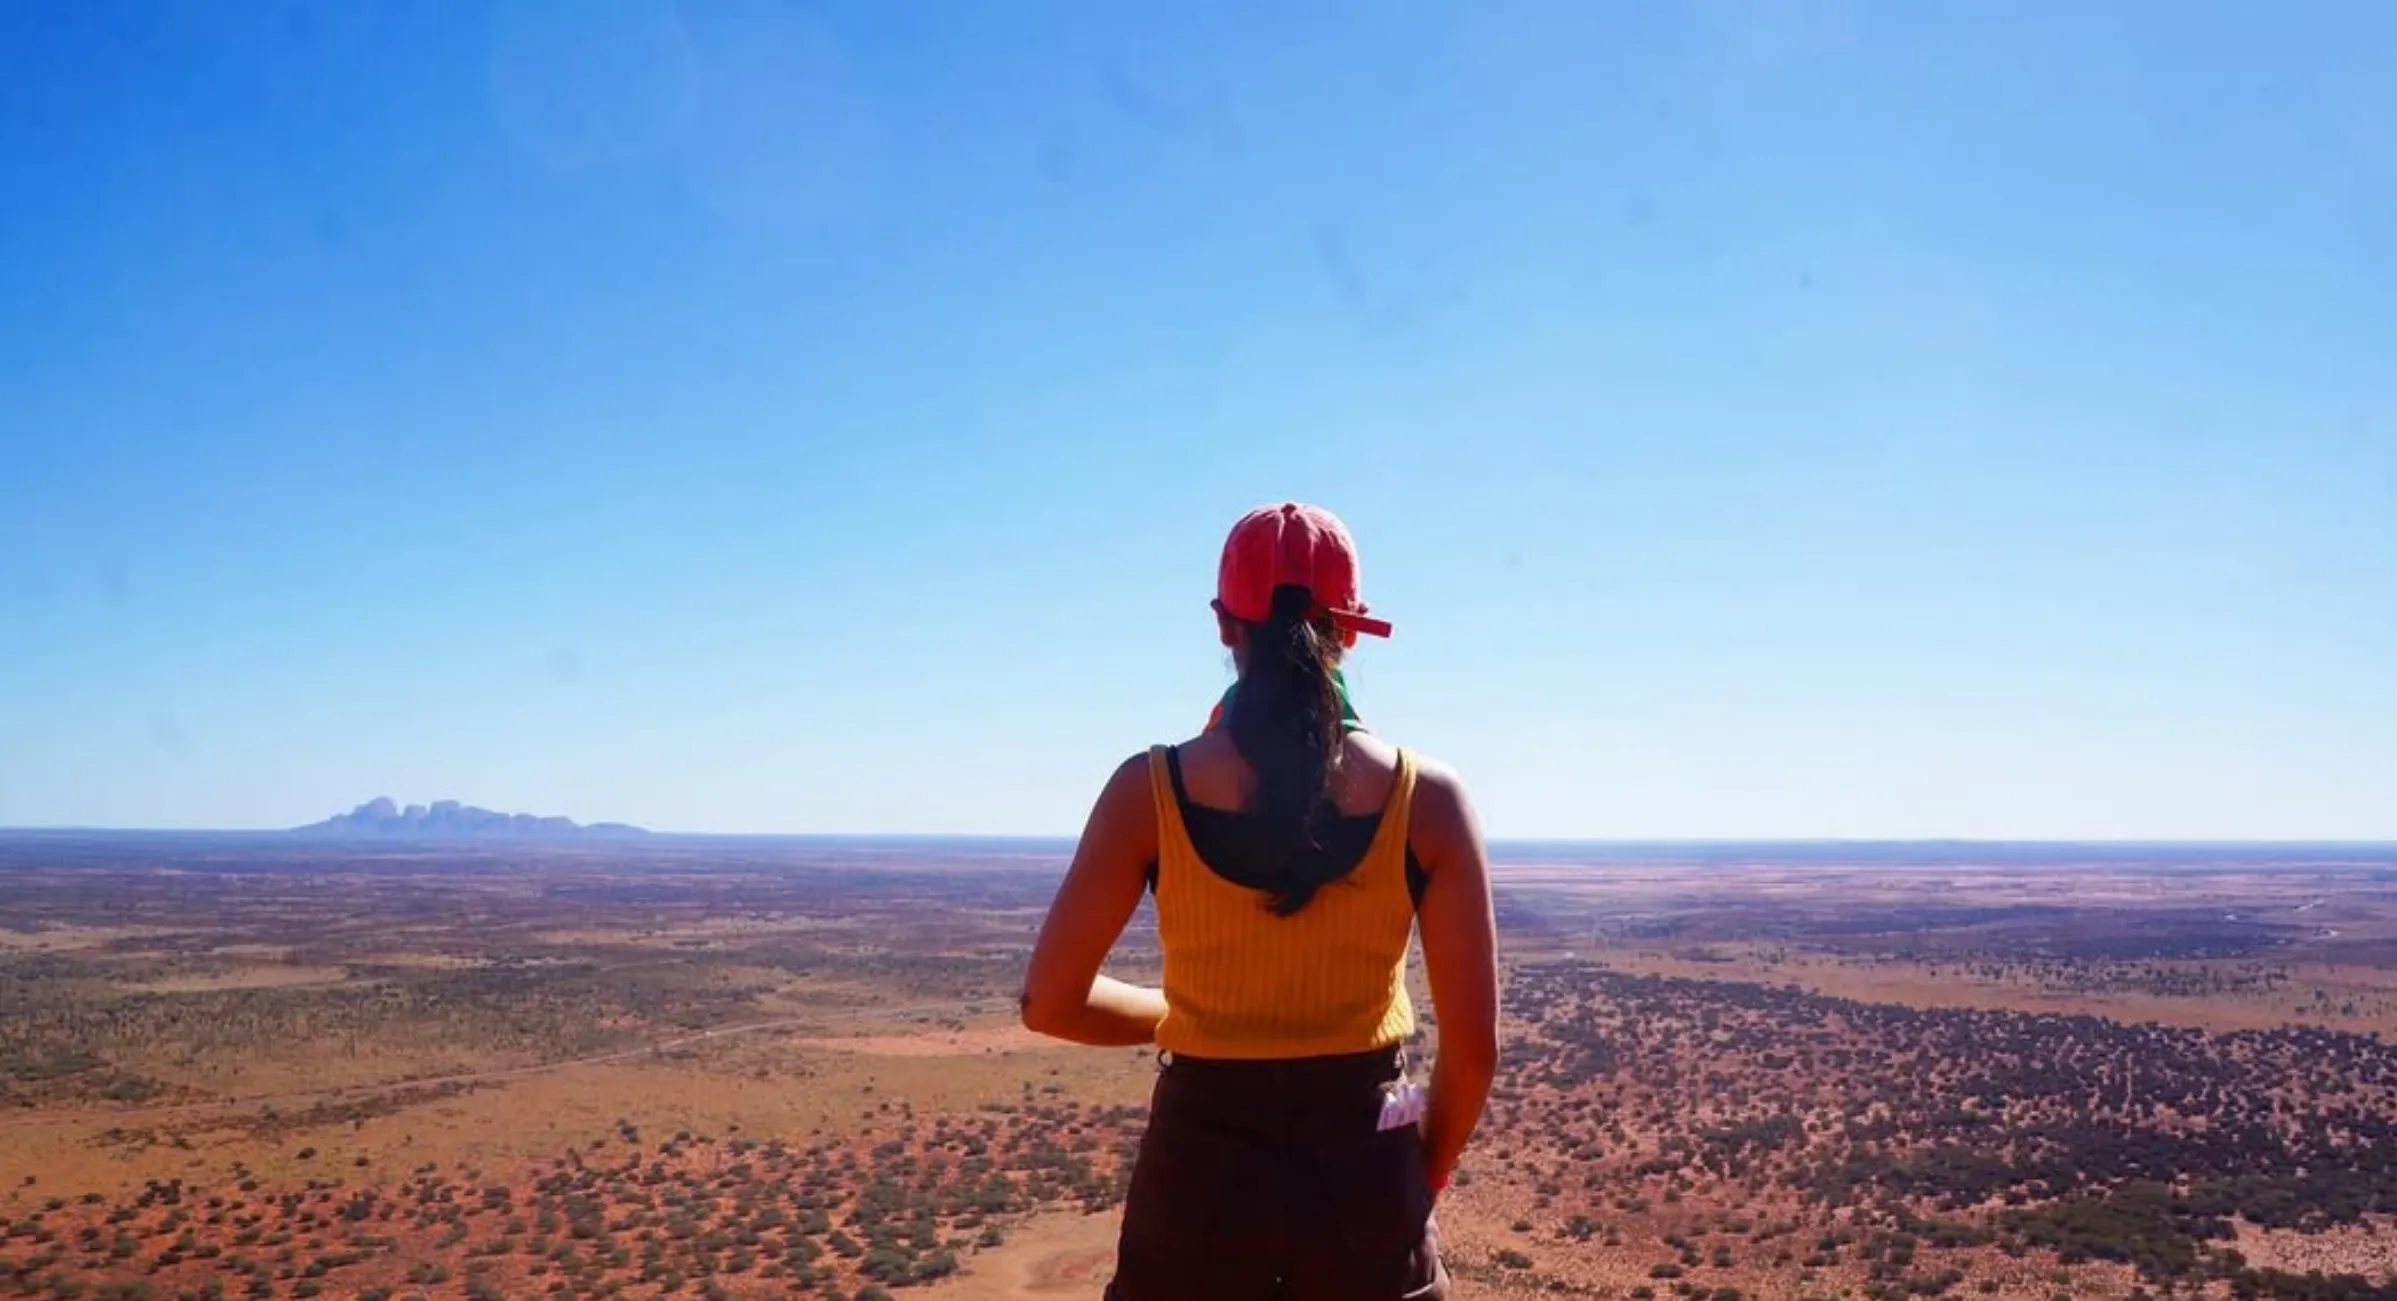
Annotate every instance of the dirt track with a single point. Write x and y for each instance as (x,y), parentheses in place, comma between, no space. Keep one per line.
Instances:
(1055,1256)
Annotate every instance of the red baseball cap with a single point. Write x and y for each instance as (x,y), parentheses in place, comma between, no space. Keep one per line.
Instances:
(1293,545)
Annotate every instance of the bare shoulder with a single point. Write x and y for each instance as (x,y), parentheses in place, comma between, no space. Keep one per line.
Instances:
(1126,810)
(1129,783)
(1431,772)
(1123,823)
(1444,825)
(1437,782)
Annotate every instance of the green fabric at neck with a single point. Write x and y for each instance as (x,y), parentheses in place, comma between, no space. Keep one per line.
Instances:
(1348,711)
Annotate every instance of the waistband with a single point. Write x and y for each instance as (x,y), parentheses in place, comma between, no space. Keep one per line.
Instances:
(1372,1066)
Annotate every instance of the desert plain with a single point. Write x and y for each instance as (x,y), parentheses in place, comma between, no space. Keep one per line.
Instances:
(268,1067)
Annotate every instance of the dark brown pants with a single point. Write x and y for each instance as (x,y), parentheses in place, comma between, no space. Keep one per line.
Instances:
(1262,1180)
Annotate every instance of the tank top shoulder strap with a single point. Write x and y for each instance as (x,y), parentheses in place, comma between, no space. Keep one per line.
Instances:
(1386,857)
(1173,836)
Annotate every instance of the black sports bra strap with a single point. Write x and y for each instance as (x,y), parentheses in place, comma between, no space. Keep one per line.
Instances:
(1173,769)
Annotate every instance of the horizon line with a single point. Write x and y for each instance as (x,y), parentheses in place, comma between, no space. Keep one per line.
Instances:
(637,834)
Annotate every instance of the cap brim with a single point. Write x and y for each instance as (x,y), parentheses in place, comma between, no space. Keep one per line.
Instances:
(1347,621)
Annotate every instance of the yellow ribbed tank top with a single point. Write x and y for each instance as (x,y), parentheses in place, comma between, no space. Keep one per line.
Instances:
(1241,982)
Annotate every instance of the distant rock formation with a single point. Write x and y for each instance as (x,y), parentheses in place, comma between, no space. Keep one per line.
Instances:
(450,819)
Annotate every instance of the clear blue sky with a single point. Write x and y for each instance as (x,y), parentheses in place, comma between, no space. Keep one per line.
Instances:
(1808,419)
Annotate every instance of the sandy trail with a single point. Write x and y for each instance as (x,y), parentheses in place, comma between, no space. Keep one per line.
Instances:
(1054,1256)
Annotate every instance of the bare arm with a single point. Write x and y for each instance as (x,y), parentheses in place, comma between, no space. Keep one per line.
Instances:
(1460,957)
(1064,995)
